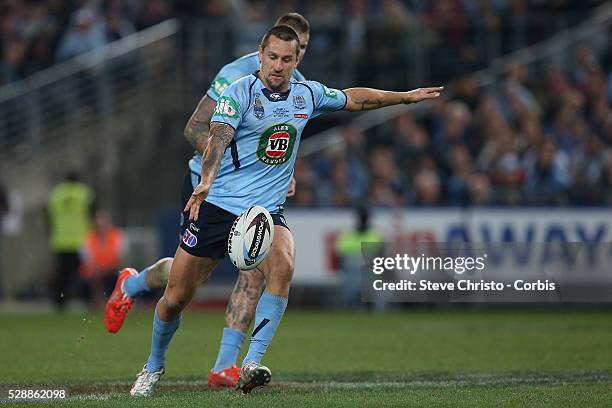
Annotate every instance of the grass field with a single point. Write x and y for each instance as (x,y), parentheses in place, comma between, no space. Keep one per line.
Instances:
(417,358)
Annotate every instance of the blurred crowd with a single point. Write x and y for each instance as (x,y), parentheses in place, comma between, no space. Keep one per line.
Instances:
(461,35)
(35,34)
(535,138)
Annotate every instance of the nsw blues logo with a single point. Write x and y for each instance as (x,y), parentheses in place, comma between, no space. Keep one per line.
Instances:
(258,109)
(189,239)
(299,102)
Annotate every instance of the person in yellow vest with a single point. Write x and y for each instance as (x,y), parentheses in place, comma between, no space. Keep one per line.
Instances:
(69,209)
(348,249)
(103,253)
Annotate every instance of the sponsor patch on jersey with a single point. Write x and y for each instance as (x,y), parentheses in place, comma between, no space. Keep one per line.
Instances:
(189,239)
(329,92)
(300,115)
(227,107)
(258,109)
(219,85)
(276,144)
(280,113)
(299,102)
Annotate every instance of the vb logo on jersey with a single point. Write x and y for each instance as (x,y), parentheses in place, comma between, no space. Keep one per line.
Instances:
(227,107)
(276,144)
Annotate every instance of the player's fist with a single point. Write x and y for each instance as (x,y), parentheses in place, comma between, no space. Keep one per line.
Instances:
(195,201)
(419,94)
(291,190)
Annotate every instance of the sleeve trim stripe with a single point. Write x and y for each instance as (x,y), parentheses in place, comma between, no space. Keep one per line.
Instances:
(250,91)
(223,123)
(212,95)
(314,105)
(345,101)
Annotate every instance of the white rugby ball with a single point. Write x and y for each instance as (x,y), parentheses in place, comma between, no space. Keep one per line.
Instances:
(250,238)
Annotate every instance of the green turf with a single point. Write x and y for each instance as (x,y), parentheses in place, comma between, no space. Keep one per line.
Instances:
(417,358)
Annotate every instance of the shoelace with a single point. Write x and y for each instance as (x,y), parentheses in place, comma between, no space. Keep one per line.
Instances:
(247,370)
(145,381)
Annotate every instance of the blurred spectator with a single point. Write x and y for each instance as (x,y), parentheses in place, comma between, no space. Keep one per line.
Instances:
(103,252)
(152,12)
(349,250)
(479,190)
(85,34)
(70,204)
(547,175)
(590,173)
(117,26)
(427,188)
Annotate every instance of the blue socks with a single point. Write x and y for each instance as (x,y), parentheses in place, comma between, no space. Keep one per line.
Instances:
(230,347)
(268,315)
(136,285)
(162,334)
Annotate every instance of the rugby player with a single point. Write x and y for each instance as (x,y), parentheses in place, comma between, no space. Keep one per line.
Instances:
(249,285)
(254,137)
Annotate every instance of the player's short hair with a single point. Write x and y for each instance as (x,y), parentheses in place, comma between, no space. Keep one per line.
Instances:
(296,21)
(283,32)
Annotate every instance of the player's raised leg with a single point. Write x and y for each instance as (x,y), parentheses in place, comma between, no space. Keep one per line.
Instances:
(278,271)
(187,273)
(238,316)
(131,284)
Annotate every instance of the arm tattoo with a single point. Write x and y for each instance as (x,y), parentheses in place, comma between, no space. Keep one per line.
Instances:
(196,131)
(367,104)
(220,137)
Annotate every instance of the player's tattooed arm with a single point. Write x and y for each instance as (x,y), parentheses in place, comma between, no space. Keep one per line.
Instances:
(196,131)
(360,99)
(221,135)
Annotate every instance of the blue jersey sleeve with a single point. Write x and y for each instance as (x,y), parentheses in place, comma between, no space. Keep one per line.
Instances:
(231,103)
(326,99)
(297,75)
(224,78)
(232,72)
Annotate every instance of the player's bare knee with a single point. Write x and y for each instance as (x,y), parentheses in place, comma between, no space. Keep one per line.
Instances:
(175,303)
(158,275)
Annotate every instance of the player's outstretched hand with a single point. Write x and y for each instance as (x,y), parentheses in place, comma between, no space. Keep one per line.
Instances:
(420,94)
(195,201)
(291,190)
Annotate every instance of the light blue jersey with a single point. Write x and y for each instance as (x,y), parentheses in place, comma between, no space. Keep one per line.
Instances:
(230,73)
(258,164)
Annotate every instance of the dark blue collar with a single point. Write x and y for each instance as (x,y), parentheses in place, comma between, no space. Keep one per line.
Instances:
(272,95)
